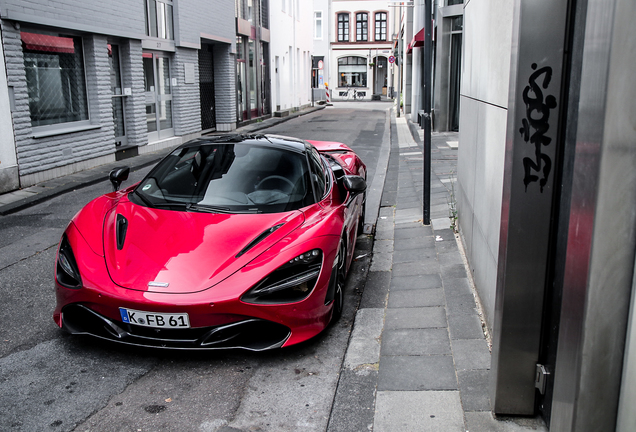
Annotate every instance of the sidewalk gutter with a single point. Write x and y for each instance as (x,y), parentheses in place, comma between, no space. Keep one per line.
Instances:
(15,201)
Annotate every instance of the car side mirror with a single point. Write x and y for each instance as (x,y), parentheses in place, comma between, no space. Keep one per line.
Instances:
(354,184)
(117,176)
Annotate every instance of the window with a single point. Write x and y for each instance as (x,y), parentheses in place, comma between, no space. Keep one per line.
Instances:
(362,29)
(352,72)
(380,26)
(54,66)
(318,25)
(264,10)
(159,19)
(343,27)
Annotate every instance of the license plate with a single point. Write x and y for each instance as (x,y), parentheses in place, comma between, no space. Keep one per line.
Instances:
(154,319)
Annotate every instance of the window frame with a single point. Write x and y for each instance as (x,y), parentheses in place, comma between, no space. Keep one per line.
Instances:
(345,34)
(363,73)
(148,16)
(383,22)
(362,26)
(316,20)
(51,129)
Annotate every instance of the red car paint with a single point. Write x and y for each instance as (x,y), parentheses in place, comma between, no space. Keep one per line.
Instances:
(205,277)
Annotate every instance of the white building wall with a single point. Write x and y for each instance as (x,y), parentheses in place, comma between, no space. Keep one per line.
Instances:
(291,42)
(8,160)
(323,37)
(483,115)
(368,49)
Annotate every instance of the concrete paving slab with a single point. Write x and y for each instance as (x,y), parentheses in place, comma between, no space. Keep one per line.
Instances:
(440,223)
(473,385)
(381,262)
(407,373)
(376,290)
(382,246)
(364,345)
(412,232)
(420,317)
(415,342)
(416,298)
(419,268)
(465,327)
(455,287)
(424,281)
(408,215)
(461,305)
(354,405)
(426,411)
(453,271)
(400,244)
(471,354)
(415,255)
(448,258)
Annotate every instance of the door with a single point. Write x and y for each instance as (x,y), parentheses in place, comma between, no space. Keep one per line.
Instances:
(117,95)
(380,69)
(158,88)
(206,87)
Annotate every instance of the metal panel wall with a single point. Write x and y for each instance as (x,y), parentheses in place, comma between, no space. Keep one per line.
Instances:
(602,229)
(535,87)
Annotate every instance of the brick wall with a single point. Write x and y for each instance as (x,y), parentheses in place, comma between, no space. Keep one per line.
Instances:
(134,105)
(115,17)
(194,17)
(186,104)
(53,152)
(225,87)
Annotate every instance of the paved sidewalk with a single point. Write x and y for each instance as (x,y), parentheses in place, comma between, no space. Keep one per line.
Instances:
(417,343)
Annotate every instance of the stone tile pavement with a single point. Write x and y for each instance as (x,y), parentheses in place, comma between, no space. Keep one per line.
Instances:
(417,342)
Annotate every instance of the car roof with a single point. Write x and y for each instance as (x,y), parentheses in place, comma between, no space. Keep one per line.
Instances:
(276,141)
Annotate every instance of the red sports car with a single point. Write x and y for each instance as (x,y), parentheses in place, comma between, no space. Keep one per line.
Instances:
(231,241)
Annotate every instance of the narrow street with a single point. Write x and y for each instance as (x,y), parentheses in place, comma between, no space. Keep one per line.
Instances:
(52,381)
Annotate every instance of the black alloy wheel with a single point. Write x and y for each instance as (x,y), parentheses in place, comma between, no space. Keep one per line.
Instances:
(338,301)
(362,214)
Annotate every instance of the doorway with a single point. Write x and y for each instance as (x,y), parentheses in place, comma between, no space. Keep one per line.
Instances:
(206,87)
(380,69)
(158,90)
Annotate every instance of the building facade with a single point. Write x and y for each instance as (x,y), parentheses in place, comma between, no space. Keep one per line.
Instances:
(291,52)
(9,179)
(91,83)
(361,44)
(322,24)
(253,76)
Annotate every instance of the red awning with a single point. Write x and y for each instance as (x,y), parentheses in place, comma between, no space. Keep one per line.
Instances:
(418,40)
(47,43)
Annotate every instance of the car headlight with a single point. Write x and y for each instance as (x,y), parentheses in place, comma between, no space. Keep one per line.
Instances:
(290,283)
(66,270)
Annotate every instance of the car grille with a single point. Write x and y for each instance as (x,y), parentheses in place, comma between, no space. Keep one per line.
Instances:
(251,334)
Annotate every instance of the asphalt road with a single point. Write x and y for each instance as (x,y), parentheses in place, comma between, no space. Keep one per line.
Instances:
(53,381)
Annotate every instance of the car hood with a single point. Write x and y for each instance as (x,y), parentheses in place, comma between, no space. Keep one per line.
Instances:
(182,252)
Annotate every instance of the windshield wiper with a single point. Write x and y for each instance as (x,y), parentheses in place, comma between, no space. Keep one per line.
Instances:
(217,209)
(160,205)
(143,198)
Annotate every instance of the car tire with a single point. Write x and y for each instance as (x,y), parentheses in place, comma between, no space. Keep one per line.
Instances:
(362,214)
(341,266)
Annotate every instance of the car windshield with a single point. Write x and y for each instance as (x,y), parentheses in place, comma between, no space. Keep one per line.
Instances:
(228,178)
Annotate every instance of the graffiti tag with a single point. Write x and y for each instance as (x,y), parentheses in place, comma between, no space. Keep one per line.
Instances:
(536,124)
